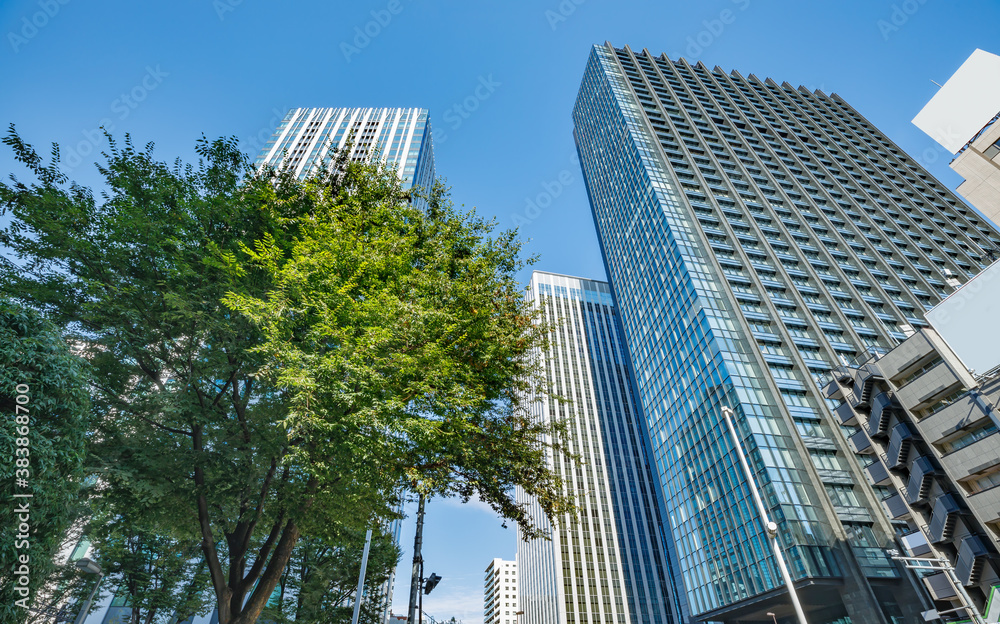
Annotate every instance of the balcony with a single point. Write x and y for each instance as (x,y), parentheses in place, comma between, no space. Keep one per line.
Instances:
(961,413)
(845,414)
(972,556)
(833,391)
(864,385)
(946,512)
(939,587)
(876,473)
(896,507)
(899,446)
(922,391)
(859,442)
(922,474)
(915,544)
(883,406)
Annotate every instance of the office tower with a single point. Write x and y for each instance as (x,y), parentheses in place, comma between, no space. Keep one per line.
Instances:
(962,118)
(500,593)
(606,563)
(755,236)
(929,425)
(400,137)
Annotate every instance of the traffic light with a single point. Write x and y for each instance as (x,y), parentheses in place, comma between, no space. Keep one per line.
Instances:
(431,582)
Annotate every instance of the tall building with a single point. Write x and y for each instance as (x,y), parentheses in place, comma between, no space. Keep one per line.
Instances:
(930,427)
(500,593)
(756,236)
(607,562)
(962,117)
(400,137)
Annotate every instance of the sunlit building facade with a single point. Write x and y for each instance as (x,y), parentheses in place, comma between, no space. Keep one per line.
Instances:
(606,563)
(401,137)
(756,236)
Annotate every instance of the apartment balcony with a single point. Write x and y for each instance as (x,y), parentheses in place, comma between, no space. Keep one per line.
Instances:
(846,414)
(905,355)
(976,458)
(860,443)
(962,412)
(922,473)
(900,442)
(972,556)
(876,473)
(947,509)
(832,390)
(939,587)
(864,385)
(915,544)
(896,507)
(884,406)
(923,390)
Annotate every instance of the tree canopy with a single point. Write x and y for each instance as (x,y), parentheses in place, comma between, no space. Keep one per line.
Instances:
(277,359)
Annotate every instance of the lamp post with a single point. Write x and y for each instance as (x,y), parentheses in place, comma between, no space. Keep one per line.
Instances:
(773,617)
(90,567)
(769,526)
(361,578)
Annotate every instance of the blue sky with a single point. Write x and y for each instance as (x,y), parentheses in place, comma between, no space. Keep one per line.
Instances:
(168,72)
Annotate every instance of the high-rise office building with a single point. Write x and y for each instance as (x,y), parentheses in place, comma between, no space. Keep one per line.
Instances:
(963,117)
(500,593)
(607,562)
(400,137)
(756,236)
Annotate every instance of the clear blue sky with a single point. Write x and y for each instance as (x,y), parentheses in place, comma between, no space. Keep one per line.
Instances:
(231,67)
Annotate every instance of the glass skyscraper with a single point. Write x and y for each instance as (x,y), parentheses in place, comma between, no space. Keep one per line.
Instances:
(400,137)
(756,236)
(608,562)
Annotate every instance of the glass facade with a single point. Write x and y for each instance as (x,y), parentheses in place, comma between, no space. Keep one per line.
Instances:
(400,137)
(608,563)
(756,236)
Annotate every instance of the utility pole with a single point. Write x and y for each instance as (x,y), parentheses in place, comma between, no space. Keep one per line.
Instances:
(418,562)
(919,563)
(769,526)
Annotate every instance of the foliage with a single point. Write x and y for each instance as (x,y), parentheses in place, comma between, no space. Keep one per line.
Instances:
(54,422)
(274,358)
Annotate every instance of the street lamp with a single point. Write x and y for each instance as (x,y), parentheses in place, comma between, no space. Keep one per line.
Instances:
(517,616)
(773,617)
(769,526)
(90,567)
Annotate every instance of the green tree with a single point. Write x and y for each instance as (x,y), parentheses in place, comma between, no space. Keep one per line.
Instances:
(45,411)
(404,364)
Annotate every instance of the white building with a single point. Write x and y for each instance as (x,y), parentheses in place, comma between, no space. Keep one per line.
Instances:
(500,593)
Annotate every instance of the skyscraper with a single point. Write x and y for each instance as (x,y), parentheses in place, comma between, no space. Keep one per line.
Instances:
(607,563)
(399,136)
(756,236)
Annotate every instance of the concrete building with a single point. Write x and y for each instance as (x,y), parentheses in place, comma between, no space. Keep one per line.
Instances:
(606,563)
(929,429)
(500,593)
(756,236)
(962,118)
